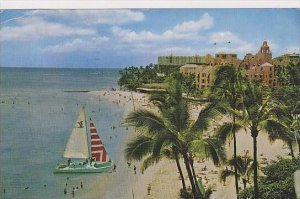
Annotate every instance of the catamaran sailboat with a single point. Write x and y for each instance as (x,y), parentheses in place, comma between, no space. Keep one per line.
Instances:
(81,158)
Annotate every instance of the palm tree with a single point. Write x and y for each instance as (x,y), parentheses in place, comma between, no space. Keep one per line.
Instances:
(290,110)
(288,115)
(228,87)
(141,148)
(172,128)
(244,167)
(259,116)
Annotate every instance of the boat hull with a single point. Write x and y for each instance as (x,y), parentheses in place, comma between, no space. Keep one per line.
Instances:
(105,167)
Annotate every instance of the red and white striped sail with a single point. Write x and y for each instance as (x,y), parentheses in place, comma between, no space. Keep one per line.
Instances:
(98,151)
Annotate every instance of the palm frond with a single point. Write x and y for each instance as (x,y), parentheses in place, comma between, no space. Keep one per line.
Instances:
(149,161)
(208,113)
(276,129)
(164,139)
(146,119)
(178,116)
(160,100)
(209,148)
(224,132)
(138,148)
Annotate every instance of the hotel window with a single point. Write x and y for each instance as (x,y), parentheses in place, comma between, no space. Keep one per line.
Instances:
(203,74)
(203,80)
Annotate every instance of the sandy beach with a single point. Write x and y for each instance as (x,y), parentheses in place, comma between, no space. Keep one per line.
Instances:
(163,177)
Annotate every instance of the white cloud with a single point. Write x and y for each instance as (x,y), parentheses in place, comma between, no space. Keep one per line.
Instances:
(187,30)
(127,35)
(224,37)
(204,23)
(77,45)
(92,16)
(34,28)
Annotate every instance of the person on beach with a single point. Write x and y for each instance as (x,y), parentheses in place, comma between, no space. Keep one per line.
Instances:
(129,164)
(81,185)
(115,168)
(134,168)
(73,193)
(149,189)
(65,191)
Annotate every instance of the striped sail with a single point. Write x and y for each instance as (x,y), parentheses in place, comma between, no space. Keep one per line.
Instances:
(77,146)
(98,151)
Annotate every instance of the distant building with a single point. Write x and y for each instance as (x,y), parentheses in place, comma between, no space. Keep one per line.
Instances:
(204,74)
(171,62)
(263,72)
(264,55)
(286,59)
(226,58)
(259,66)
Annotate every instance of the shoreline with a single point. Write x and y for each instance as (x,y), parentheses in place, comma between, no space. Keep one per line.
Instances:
(163,177)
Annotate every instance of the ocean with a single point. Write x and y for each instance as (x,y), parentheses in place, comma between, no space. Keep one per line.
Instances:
(36,118)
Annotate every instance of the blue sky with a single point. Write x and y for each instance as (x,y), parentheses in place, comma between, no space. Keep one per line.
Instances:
(119,38)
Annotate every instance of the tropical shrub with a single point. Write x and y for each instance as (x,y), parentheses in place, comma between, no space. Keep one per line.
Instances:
(278,182)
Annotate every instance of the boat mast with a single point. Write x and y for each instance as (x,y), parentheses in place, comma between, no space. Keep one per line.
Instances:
(87,134)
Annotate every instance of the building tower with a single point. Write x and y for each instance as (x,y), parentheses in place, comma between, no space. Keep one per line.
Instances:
(264,54)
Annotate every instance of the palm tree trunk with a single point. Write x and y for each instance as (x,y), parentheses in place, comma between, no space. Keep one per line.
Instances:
(298,141)
(188,169)
(194,174)
(254,134)
(187,97)
(180,172)
(291,148)
(234,156)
